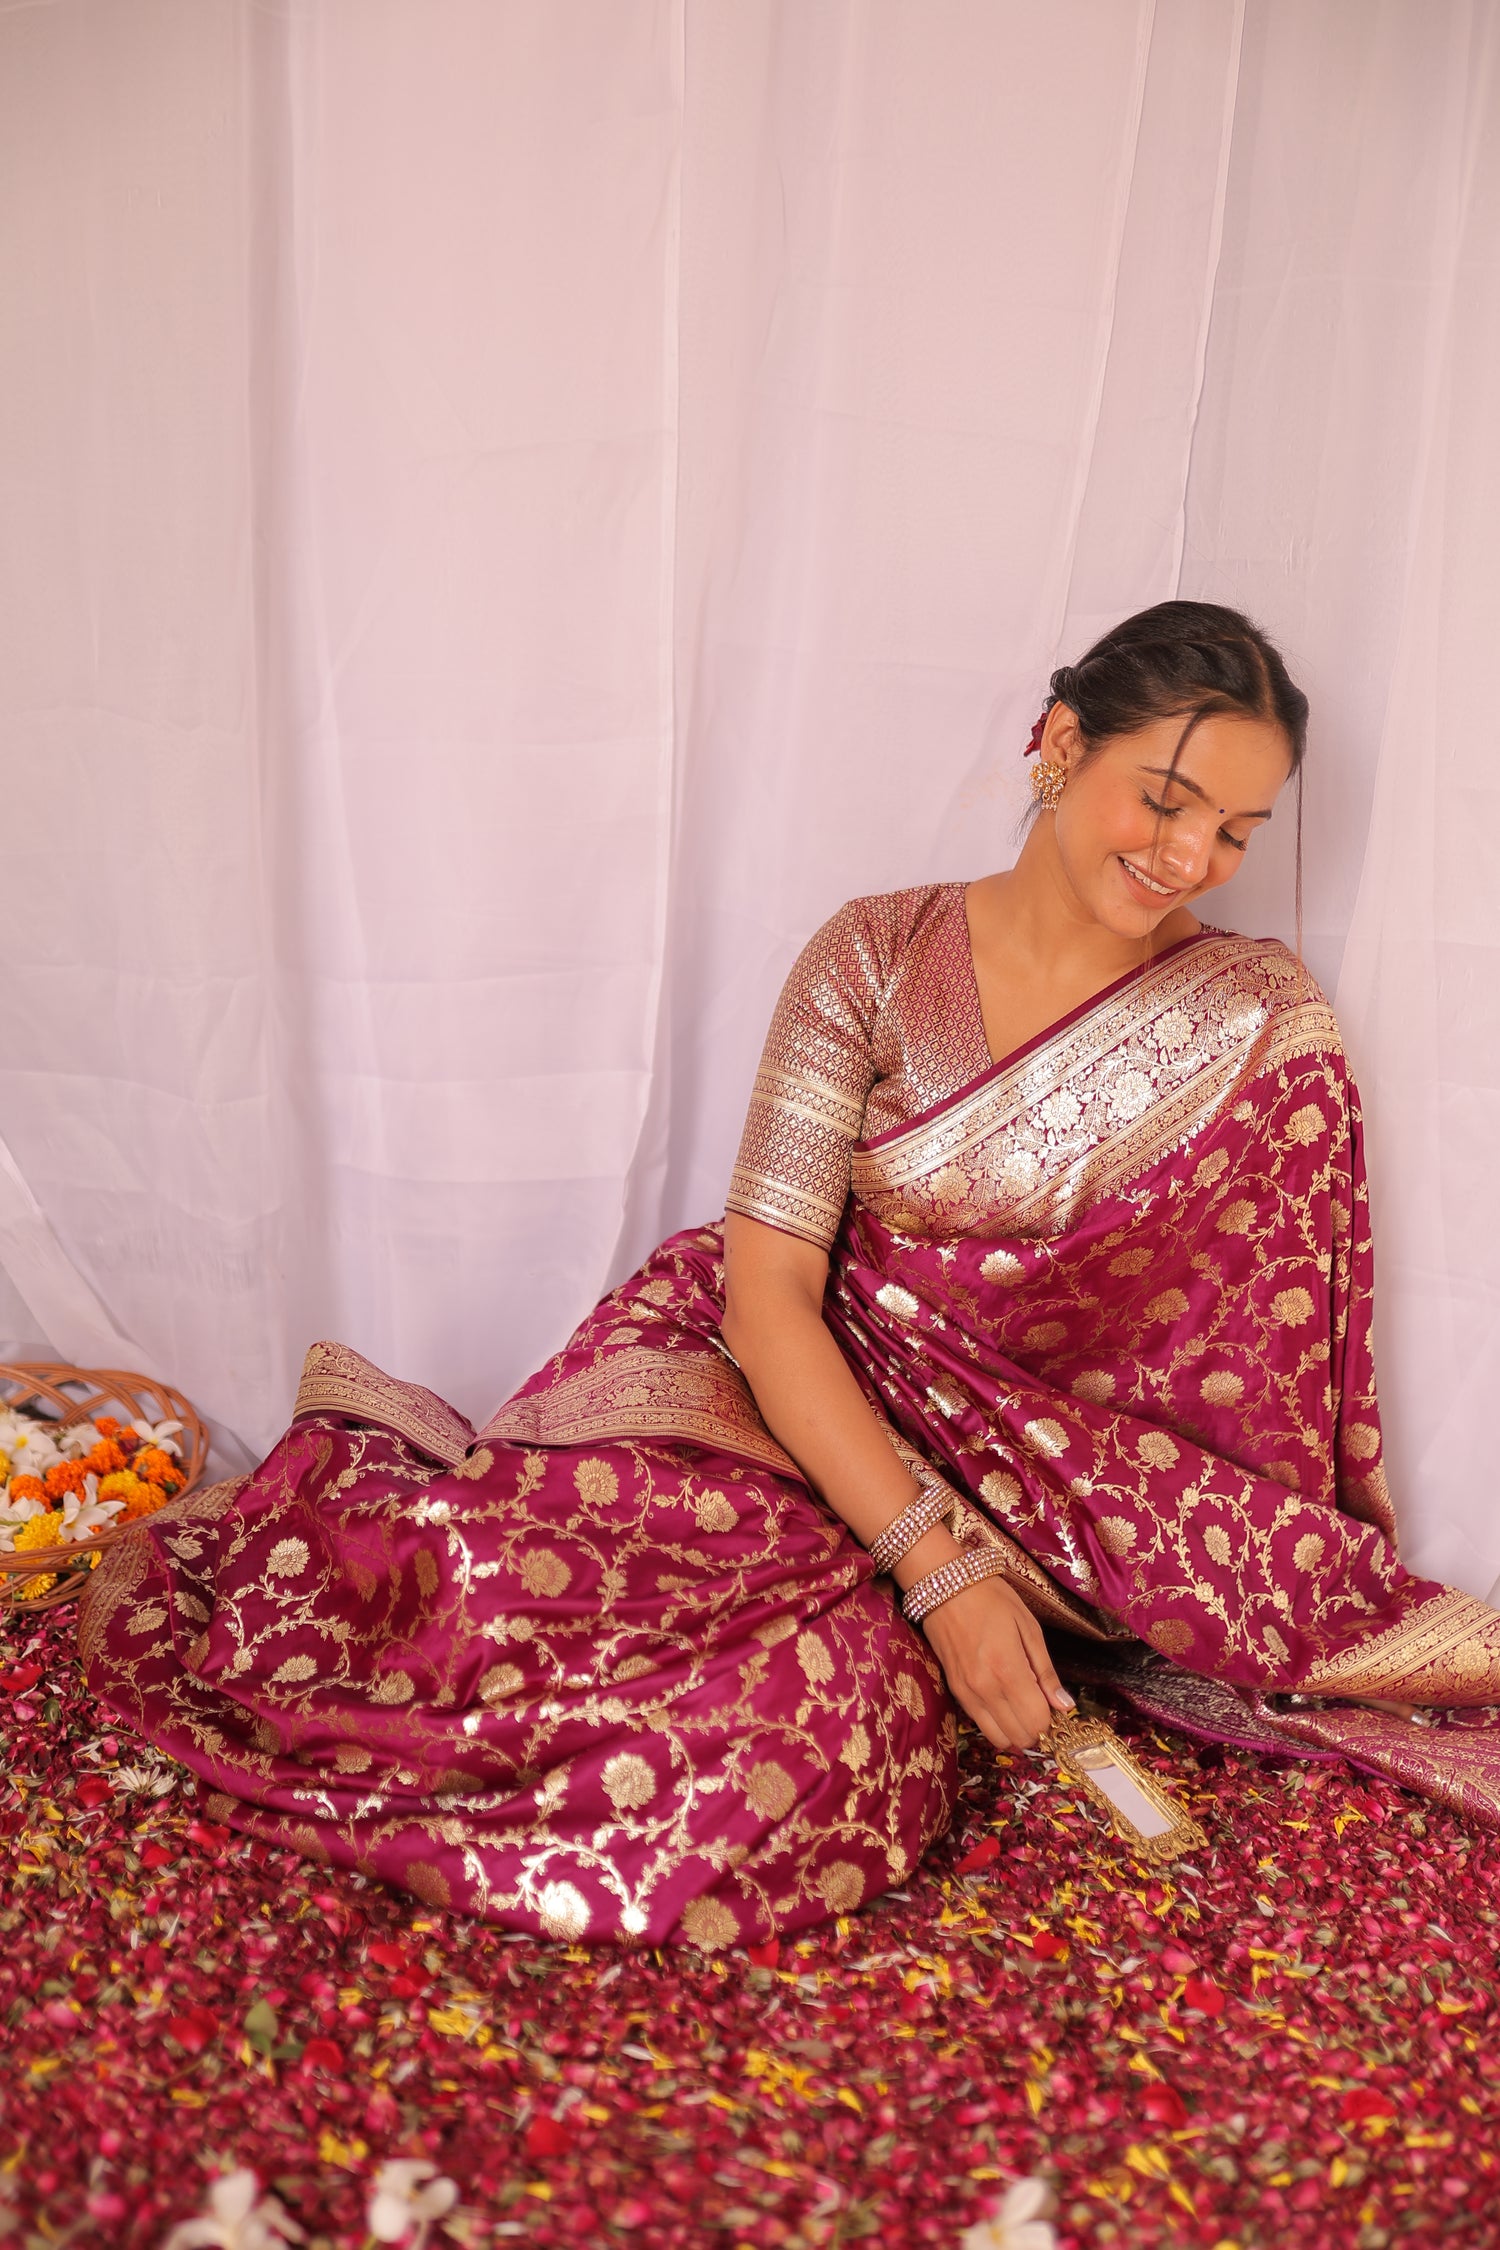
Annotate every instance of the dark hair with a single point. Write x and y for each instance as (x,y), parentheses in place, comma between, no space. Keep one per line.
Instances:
(1192,658)
(1187,659)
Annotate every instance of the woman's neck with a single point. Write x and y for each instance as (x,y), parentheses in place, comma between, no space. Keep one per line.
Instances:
(1038,954)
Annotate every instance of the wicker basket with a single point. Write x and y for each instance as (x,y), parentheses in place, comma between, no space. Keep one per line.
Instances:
(80,1394)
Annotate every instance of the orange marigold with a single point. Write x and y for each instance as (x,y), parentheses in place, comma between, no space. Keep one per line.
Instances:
(155,1462)
(124,1484)
(27,1488)
(107,1425)
(104,1457)
(64,1476)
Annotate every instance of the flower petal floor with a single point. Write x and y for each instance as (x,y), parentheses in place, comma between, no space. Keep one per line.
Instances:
(1291,2039)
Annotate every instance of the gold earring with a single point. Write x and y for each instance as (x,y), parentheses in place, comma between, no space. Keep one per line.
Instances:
(1048,783)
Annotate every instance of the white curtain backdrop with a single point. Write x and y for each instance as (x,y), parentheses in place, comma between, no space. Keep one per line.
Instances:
(510,510)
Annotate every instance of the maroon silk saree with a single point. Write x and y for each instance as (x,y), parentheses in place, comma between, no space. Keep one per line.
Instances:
(607,1668)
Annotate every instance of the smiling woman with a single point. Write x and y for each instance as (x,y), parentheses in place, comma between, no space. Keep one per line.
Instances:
(1064,1185)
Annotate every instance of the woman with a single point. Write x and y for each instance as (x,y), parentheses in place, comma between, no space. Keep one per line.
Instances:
(1063,1184)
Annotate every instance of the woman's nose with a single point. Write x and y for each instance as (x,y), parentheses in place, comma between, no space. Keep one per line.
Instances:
(1185,854)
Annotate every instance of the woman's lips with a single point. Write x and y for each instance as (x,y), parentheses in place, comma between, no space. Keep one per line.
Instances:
(1147,885)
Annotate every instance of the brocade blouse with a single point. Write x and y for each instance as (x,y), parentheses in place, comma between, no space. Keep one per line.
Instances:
(878,1020)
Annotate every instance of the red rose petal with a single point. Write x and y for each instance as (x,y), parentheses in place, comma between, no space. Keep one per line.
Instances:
(324,2054)
(194,2031)
(1362,2102)
(765,1956)
(156,1855)
(982,1855)
(547,2136)
(1180,1964)
(1202,1994)
(388,1956)
(1163,2105)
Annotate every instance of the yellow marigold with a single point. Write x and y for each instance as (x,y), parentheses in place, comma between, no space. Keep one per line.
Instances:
(40,1531)
(156,1464)
(27,1488)
(144,1501)
(124,1484)
(4,1464)
(104,1457)
(64,1476)
(33,1588)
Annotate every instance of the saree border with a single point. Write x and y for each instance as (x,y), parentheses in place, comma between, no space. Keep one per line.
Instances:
(1448,1648)
(1224,976)
(646,1392)
(339,1380)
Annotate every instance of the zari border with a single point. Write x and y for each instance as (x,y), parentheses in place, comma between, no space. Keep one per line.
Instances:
(975,1128)
(336,1380)
(1448,1650)
(644,1393)
(122,1567)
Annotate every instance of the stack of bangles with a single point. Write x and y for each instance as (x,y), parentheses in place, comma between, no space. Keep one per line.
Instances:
(935,1504)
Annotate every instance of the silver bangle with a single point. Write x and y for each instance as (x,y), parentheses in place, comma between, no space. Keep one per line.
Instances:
(933,1505)
(949,1579)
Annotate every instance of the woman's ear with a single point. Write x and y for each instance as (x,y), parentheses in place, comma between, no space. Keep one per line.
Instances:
(1062,737)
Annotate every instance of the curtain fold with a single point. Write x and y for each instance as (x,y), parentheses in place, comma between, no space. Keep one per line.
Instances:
(511,510)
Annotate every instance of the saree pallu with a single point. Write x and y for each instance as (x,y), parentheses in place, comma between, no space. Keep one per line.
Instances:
(1119,1291)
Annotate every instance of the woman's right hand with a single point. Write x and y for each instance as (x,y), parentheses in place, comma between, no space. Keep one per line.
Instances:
(995,1661)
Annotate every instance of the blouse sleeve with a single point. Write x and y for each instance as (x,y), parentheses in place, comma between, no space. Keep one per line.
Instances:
(808,1104)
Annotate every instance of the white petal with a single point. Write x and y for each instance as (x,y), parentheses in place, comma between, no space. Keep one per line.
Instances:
(433,2201)
(389,2217)
(1025,2199)
(233,2194)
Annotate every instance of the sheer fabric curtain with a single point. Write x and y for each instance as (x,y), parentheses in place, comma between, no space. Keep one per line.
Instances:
(513,511)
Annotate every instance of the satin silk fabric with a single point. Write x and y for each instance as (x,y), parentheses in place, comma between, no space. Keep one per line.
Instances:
(606,1688)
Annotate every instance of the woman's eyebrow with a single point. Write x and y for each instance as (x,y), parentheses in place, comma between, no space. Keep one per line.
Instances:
(1165,773)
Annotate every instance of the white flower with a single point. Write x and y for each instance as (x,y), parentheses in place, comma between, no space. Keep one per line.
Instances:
(32,1448)
(82,1518)
(158,1433)
(1019,2224)
(234,2220)
(13,1513)
(79,1438)
(400,2205)
(145,1781)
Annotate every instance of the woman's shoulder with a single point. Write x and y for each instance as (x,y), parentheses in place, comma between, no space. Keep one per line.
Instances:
(1267,971)
(887,924)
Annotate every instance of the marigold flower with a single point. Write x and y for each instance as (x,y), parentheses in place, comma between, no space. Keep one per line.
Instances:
(27,1488)
(145,1501)
(64,1476)
(104,1457)
(107,1425)
(40,1531)
(31,1588)
(158,1466)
